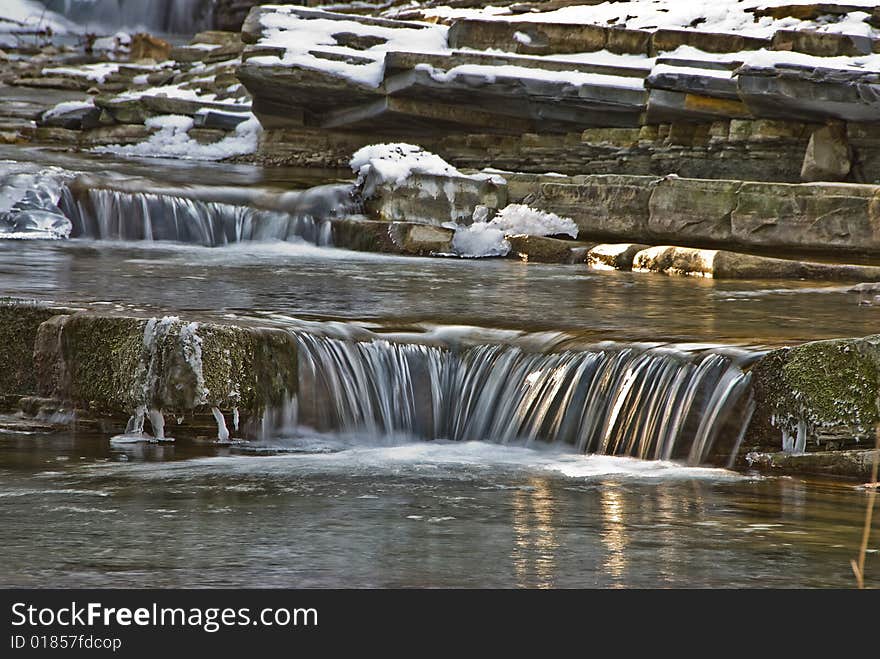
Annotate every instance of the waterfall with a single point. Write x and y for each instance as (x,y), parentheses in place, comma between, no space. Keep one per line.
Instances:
(168,16)
(109,214)
(613,399)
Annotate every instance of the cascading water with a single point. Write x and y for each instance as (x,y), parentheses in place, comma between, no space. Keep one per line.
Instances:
(612,399)
(169,16)
(29,199)
(109,214)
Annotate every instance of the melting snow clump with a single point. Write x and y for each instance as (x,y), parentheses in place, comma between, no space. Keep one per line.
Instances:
(482,238)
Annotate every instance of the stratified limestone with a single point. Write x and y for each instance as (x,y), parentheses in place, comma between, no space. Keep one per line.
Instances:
(817,216)
(817,396)
(113,364)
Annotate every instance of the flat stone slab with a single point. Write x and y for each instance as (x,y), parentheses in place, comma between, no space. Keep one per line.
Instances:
(830,218)
(602,206)
(399,61)
(809,93)
(547,103)
(817,216)
(412,116)
(279,88)
(667,106)
(697,208)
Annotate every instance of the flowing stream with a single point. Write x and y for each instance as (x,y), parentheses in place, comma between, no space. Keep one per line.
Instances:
(456,422)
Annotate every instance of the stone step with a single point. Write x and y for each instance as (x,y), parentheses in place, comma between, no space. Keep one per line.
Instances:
(554,105)
(535,38)
(395,115)
(396,62)
(825,218)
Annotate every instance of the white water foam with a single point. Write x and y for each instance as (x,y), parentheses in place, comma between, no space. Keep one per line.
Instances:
(429,459)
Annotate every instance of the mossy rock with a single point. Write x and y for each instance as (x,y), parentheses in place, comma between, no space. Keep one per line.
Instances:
(114,364)
(830,386)
(19,322)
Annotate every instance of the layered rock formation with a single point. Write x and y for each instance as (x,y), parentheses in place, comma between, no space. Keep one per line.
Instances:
(691,99)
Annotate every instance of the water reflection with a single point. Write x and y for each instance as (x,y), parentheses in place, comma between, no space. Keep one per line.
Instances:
(535,539)
(301,280)
(612,505)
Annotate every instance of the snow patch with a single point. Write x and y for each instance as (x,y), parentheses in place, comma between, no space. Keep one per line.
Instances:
(173,141)
(396,162)
(303,39)
(67,106)
(727,16)
(482,239)
(94,72)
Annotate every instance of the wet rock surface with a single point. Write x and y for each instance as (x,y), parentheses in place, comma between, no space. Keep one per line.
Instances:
(113,365)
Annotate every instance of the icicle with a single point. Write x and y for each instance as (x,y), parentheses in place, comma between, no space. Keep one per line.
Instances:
(135,424)
(235,419)
(157,421)
(222,430)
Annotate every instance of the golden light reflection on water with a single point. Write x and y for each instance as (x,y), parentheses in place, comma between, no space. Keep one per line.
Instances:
(614,537)
(535,538)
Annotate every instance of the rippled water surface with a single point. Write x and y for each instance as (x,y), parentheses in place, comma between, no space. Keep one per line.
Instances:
(333,512)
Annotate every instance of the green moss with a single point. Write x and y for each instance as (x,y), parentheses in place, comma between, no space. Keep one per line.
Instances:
(103,363)
(835,382)
(830,386)
(102,357)
(19,322)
